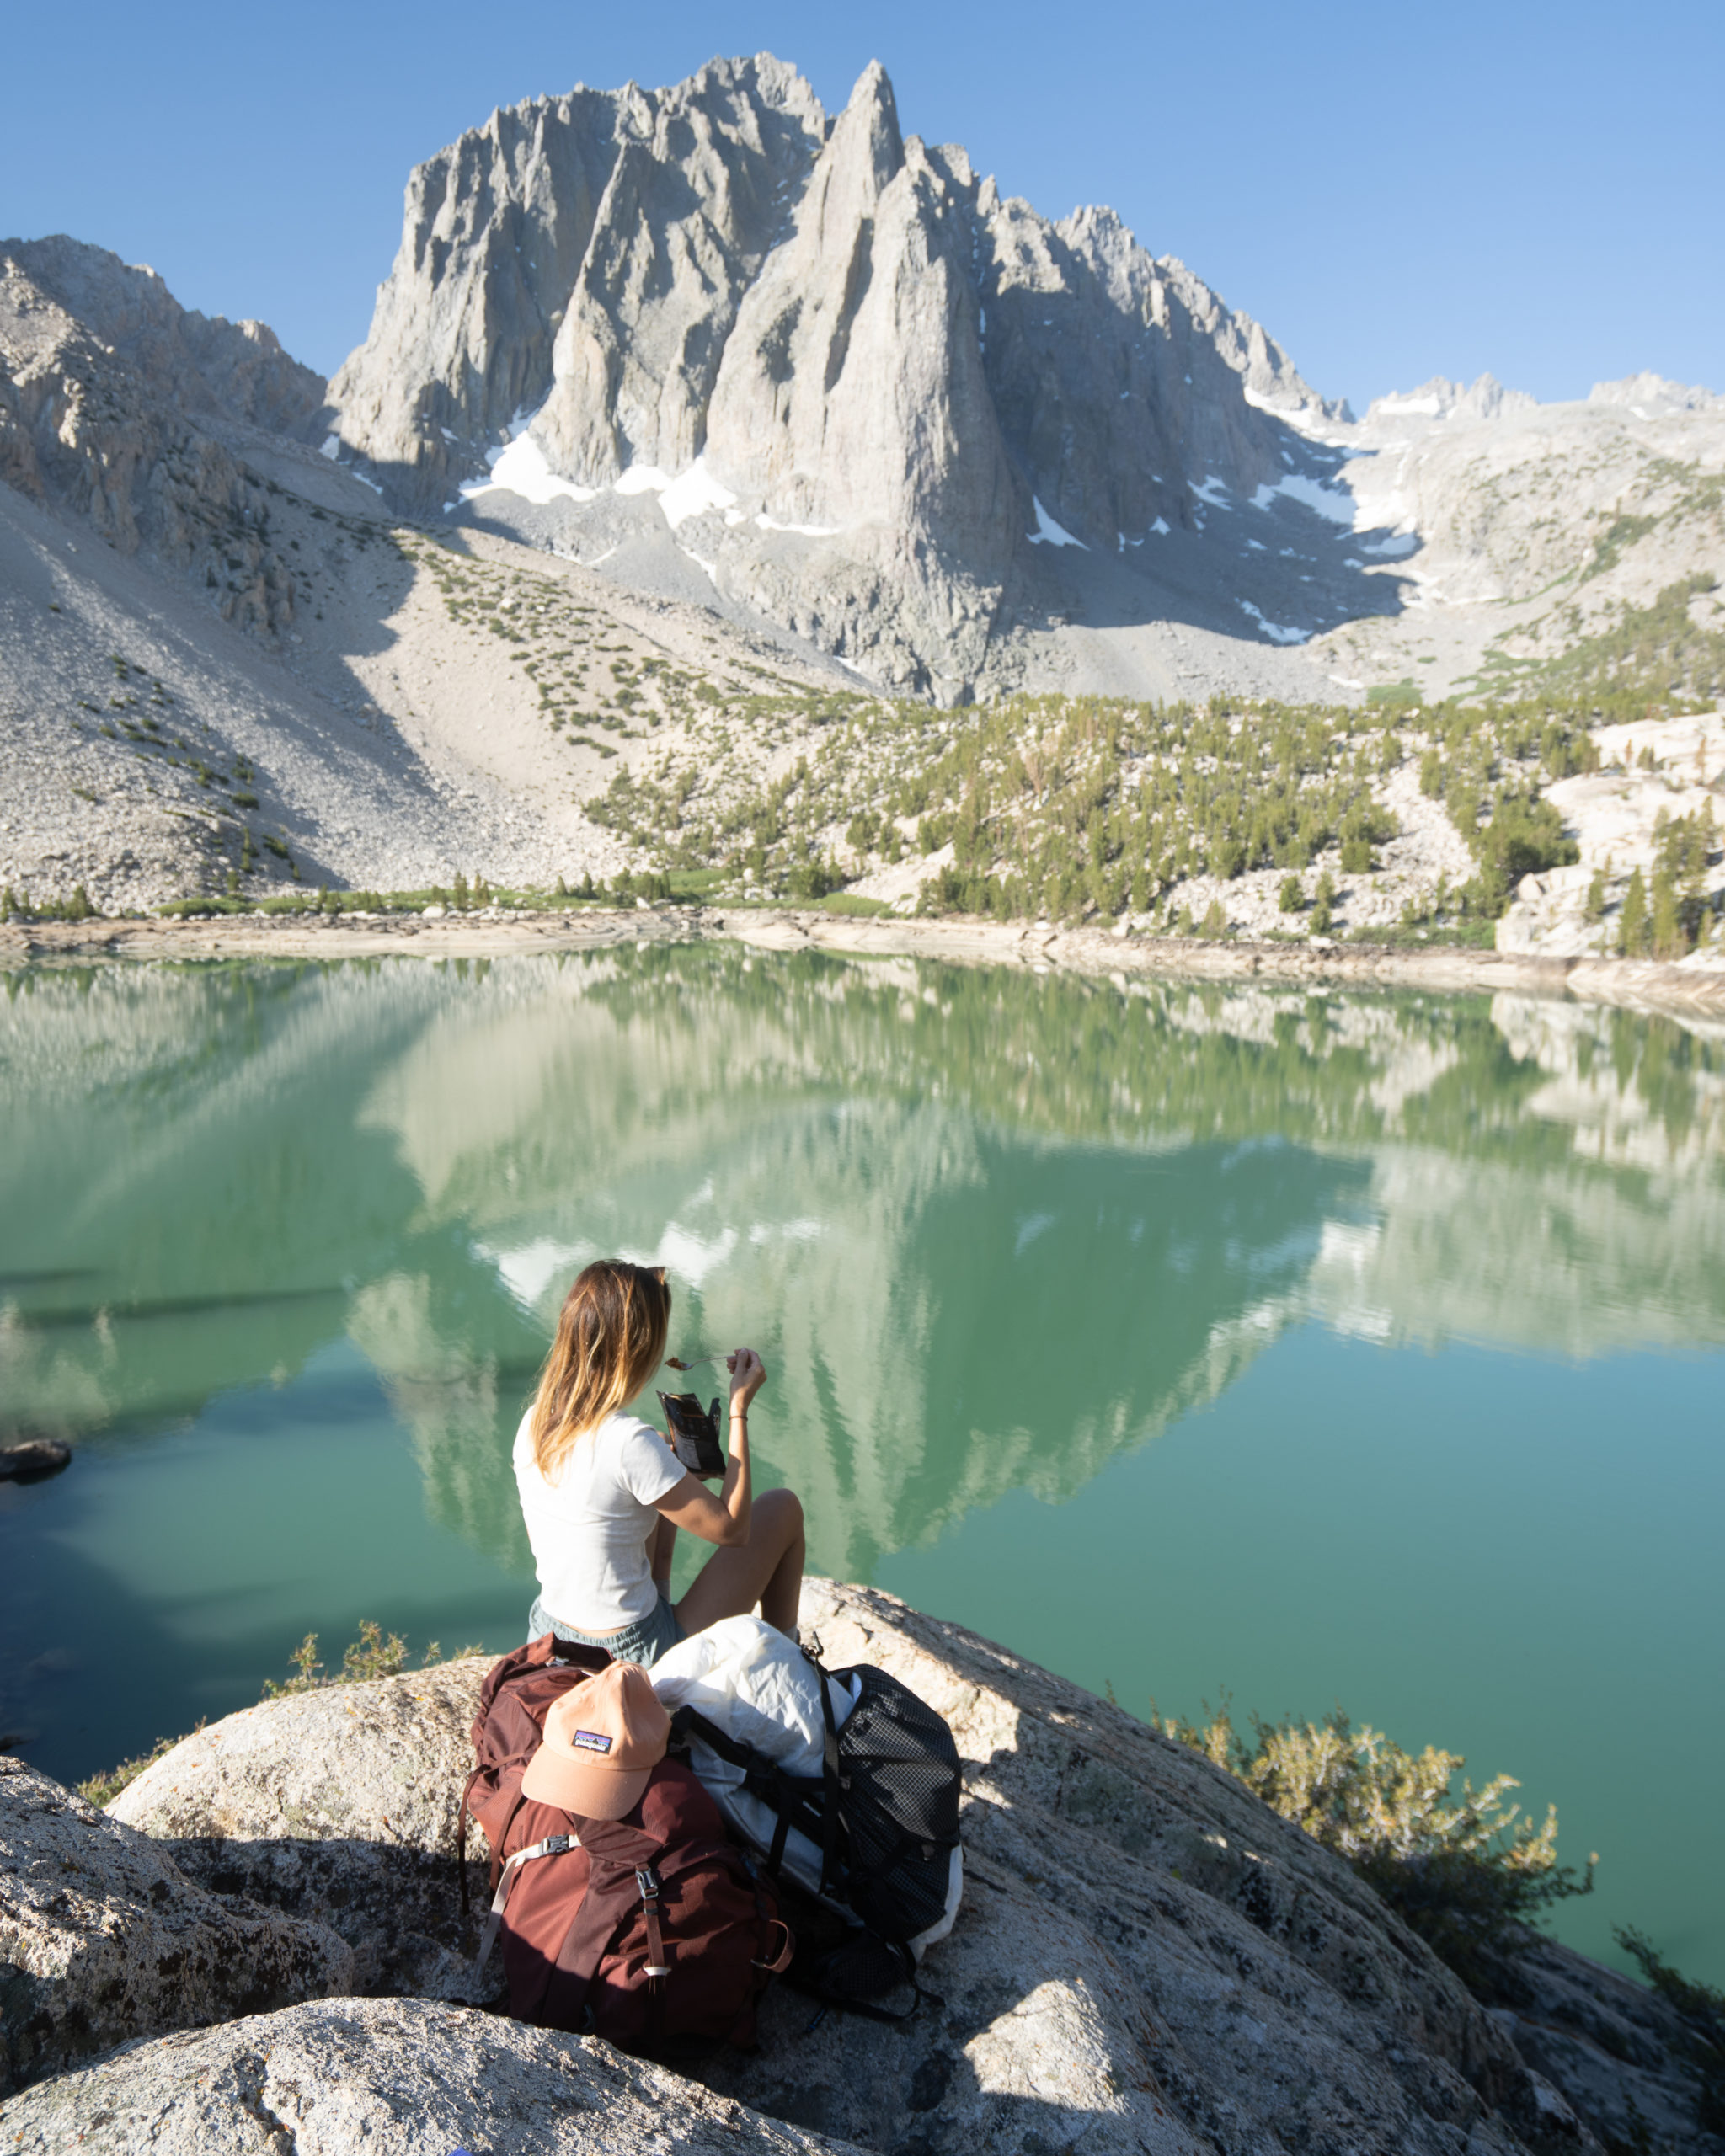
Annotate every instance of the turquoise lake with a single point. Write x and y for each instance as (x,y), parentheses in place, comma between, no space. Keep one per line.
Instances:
(1304,1348)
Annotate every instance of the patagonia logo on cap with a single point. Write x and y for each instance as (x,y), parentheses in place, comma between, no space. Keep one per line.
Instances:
(589,1740)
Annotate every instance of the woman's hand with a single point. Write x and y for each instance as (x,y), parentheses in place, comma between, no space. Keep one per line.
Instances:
(747,1375)
(724,1519)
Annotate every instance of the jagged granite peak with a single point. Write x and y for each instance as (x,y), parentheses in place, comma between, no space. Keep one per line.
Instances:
(569,224)
(687,217)
(894,382)
(853,393)
(852,406)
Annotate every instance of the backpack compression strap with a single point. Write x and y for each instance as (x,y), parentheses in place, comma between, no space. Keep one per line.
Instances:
(658,1968)
(553,1845)
(761,1778)
(829,1769)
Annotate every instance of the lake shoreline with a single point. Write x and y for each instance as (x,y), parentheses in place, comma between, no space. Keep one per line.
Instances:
(1633,983)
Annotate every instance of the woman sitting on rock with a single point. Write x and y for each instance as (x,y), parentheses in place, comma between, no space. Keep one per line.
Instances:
(603,1495)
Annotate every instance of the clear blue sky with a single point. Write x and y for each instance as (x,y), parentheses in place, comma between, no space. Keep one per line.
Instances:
(1394,191)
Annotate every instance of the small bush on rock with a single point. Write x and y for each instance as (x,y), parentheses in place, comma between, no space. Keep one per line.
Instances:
(373,1654)
(1466,1874)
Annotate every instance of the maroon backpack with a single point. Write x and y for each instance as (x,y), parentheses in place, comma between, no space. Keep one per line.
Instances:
(653,1930)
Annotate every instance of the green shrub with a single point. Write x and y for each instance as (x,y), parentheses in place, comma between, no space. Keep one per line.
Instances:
(374,1653)
(851,902)
(1323,902)
(1525,837)
(813,879)
(1290,898)
(1468,1874)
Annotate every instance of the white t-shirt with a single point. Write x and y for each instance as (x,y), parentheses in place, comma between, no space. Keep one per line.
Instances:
(589,1529)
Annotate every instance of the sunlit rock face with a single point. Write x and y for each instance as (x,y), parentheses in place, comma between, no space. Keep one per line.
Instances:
(865,387)
(901,1181)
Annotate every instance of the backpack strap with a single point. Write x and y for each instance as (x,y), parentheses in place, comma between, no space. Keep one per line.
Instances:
(461,1817)
(783,1794)
(775,1959)
(652,1887)
(689,1722)
(553,1845)
(829,1771)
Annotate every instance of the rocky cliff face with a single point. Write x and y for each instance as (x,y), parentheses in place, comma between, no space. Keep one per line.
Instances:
(865,387)
(113,400)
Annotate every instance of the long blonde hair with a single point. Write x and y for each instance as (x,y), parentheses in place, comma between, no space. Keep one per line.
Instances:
(610,1336)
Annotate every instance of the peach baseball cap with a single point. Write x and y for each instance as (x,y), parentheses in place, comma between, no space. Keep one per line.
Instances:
(602,1741)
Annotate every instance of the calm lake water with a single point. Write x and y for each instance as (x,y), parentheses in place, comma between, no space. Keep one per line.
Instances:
(1312,1348)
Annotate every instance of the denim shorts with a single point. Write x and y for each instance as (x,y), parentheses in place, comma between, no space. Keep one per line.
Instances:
(643,1641)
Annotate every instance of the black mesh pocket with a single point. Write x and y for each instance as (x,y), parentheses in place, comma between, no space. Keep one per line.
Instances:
(900,1785)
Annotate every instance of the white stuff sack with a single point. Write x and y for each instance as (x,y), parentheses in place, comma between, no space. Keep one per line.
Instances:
(757,1686)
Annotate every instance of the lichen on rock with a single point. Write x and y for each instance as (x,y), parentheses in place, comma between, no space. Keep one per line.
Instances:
(102,1938)
(355,2076)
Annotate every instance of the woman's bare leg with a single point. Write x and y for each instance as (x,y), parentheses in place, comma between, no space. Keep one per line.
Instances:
(767,1569)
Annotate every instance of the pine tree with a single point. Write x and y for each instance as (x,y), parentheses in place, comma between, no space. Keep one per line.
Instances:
(1633,926)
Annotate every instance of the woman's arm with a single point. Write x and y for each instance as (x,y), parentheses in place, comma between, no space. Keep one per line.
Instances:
(724,1518)
(659,1552)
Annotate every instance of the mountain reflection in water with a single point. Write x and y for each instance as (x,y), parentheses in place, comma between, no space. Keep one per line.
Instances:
(280,1248)
(988,1228)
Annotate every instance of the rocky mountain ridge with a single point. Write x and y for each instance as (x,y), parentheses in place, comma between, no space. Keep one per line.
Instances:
(863,385)
(220,659)
(825,374)
(110,396)
(697,395)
